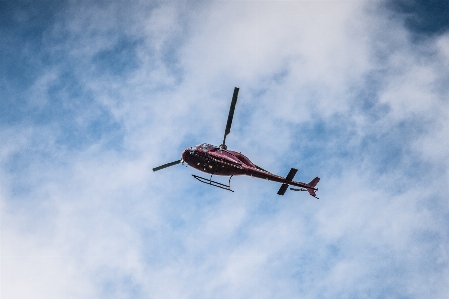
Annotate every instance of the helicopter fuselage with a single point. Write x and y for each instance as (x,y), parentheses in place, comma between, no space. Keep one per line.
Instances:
(218,161)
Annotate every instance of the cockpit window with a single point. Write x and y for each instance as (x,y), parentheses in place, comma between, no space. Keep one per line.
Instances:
(207,147)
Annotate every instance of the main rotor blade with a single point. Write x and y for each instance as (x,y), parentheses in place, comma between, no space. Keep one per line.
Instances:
(166,165)
(231,113)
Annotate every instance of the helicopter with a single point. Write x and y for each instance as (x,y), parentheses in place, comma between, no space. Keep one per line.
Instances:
(218,160)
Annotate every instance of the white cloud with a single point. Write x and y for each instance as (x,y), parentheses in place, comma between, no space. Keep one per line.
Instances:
(95,221)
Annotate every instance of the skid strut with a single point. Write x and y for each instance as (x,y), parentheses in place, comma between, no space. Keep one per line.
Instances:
(214,183)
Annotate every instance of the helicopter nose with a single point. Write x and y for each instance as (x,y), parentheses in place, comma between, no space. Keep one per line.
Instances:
(186,153)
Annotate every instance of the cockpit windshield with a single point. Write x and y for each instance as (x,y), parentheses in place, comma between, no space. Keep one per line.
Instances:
(207,147)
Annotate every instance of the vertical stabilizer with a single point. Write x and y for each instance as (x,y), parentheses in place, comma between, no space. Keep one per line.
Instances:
(312,184)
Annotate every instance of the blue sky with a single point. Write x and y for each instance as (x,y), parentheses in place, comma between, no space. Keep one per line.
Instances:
(97,93)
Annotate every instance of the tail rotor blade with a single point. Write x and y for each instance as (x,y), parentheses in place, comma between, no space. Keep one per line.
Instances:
(231,115)
(167,165)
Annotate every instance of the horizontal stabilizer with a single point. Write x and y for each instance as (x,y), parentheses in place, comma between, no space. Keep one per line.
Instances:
(290,176)
(282,189)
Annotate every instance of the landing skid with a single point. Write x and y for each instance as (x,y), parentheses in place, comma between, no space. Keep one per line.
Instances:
(214,183)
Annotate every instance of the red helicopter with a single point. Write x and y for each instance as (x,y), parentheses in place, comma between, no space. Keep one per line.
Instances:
(218,160)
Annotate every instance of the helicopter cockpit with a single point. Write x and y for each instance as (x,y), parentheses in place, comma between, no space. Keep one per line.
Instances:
(207,147)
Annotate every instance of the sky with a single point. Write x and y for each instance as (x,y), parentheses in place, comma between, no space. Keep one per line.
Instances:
(94,94)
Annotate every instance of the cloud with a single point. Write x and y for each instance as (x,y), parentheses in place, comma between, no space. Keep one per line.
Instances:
(96,94)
